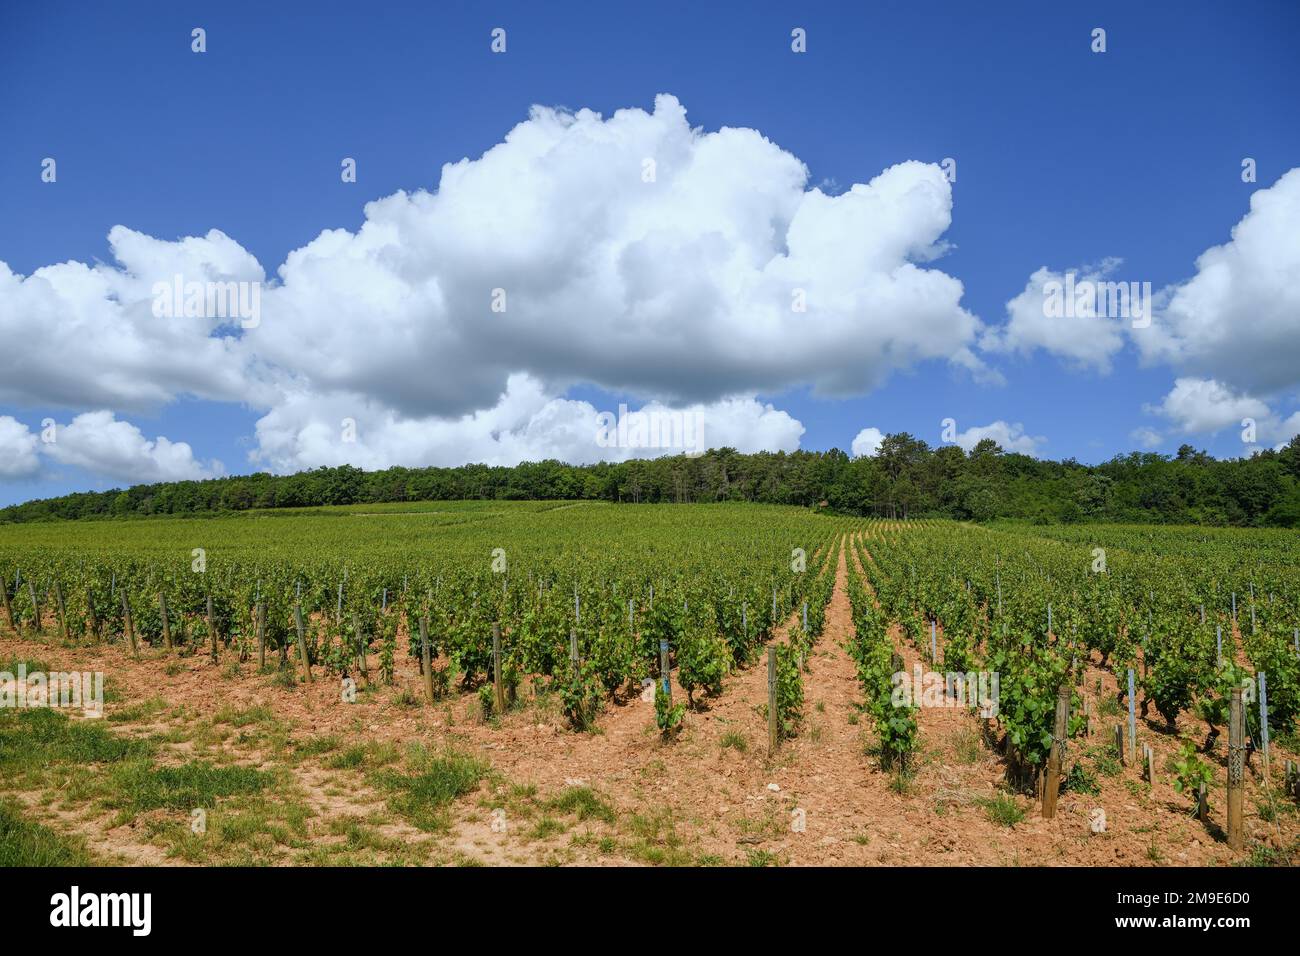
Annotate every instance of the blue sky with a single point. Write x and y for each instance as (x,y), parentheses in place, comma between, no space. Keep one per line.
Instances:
(1065,157)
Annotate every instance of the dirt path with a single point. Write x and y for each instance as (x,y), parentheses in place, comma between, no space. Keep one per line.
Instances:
(944,730)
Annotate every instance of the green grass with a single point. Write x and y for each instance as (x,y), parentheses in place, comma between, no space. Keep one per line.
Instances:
(734,740)
(236,717)
(245,830)
(583,801)
(1106,760)
(901,782)
(138,712)
(368,756)
(31,740)
(1081,780)
(1271,810)
(970,749)
(12,664)
(138,786)
(358,834)
(434,780)
(770,824)
(315,746)
(363,844)
(1003,809)
(546,827)
(1263,855)
(655,839)
(82,764)
(24,843)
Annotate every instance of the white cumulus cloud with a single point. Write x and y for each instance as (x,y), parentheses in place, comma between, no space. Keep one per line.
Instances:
(1010,436)
(79,335)
(692,270)
(100,443)
(1147,437)
(1231,331)
(867,443)
(683,289)
(1237,321)
(1205,405)
(524,424)
(1087,337)
(1197,406)
(17,450)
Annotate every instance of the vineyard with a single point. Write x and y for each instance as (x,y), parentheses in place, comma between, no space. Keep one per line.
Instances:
(558,682)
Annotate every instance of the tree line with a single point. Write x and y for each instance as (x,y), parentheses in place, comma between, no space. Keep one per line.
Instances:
(906,478)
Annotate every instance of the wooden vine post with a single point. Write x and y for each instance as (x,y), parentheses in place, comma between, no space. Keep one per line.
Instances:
(261,635)
(1060,730)
(302,640)
(361,644)
(772,735)
(9,608)
(1236,768)
(36,605)
(212,629)
(166,624)
(496,669)
(425,659)
(1119,743)
(129,626)
(62,609)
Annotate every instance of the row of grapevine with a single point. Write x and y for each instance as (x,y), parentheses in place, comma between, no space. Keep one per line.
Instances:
(1037,610)
(713,590)
(877,662)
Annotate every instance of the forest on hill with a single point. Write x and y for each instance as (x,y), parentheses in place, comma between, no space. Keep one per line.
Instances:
(907,477)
